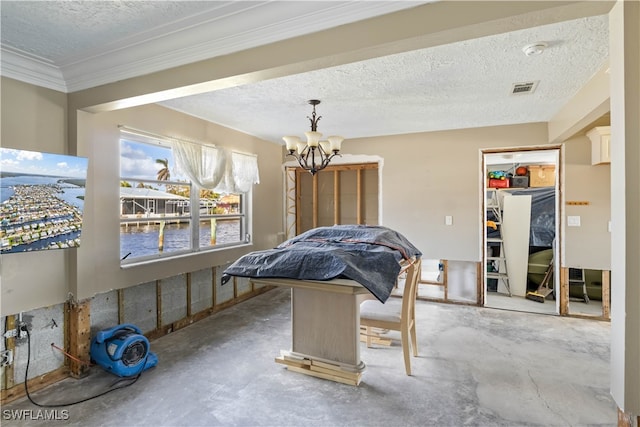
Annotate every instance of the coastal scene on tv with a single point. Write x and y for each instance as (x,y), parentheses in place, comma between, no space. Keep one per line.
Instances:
(41,200)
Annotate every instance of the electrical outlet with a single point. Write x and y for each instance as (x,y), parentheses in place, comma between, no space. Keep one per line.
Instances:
(6,358)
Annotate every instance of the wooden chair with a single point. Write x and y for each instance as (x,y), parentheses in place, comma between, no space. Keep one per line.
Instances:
(395,314)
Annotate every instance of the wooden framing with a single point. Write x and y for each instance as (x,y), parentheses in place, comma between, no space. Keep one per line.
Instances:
(625,419)
(442,283)
(120,305)
(34,384)
(77,333)
(158,305)
(606,296)
(337,171)
(188,279)
(336,196)
(79,337)
(10,344)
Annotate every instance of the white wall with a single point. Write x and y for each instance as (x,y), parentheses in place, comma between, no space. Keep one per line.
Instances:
(589,245)
(428,176)
(34,119)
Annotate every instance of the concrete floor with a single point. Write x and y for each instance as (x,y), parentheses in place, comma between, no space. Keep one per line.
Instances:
(477,366)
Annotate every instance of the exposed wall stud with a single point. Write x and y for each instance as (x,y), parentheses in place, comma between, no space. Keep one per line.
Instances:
(159,324)
(10,344)
(79,336)
(606,295)
(121,306)
(188,278)
(214,289)
(336,196)
(564,291)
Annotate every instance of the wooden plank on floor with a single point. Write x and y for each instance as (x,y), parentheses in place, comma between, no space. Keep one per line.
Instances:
(320,370)
(323,376)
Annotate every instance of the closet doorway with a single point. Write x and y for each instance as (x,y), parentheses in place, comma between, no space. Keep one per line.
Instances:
(521,228)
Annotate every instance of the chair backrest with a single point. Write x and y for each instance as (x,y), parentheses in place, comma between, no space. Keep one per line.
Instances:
(410,291)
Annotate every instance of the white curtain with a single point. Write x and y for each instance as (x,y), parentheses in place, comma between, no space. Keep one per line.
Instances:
(215,168)
(244,172)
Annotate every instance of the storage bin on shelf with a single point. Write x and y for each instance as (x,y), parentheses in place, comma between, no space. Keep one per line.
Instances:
(520,181)
(542,175)
(498,183)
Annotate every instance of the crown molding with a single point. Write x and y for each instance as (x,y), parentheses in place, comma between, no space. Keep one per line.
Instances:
(29,69)
(217,32)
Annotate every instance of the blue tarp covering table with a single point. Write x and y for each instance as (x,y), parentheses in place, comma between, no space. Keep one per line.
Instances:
(370,255)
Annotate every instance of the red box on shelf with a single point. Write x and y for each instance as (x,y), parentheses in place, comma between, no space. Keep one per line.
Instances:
(498,183)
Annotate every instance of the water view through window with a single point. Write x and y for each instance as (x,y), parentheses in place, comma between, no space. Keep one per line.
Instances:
(156,199)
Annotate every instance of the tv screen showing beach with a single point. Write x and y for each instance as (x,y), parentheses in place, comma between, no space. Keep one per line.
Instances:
(42,200)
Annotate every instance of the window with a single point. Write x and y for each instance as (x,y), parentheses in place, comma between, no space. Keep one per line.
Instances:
(157,196)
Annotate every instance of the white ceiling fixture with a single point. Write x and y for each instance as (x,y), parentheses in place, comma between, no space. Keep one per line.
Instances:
(534,49)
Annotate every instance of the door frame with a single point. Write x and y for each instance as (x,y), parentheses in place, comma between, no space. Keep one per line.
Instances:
(558,260)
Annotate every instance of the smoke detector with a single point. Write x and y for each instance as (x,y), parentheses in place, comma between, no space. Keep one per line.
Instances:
(534,49)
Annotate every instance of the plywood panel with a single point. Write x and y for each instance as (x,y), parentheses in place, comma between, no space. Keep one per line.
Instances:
(370,189)
(516,219)
(348,197)
(325,199)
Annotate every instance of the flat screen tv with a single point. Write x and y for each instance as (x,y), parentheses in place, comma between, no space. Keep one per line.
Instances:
(42,200)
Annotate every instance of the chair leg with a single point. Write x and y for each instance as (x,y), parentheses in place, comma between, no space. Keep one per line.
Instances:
(405,350)
(414,340)
(369,336)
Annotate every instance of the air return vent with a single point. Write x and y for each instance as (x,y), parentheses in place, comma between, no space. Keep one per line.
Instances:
(524,88)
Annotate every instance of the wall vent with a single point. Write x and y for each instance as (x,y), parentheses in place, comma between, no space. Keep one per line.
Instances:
(524,88)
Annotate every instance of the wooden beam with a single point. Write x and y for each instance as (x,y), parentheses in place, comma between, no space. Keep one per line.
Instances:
(359,196)
(188,278)
(336,197)
(625,419)
(158,305)
(606,295)
(79,337)
(315,204)
(480,284)
(445,278)
(235,287)
(564,291)
(10,344)
(214,290)
(120,306)
(298,201)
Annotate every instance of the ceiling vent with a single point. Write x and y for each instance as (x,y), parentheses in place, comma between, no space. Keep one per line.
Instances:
(524,88)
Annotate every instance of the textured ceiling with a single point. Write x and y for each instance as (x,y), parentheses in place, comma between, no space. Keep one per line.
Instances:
(460,85)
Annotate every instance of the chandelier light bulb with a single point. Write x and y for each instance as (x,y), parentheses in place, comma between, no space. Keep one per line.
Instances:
(291,142)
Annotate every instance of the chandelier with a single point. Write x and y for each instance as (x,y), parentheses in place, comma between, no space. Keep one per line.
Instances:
(315,155)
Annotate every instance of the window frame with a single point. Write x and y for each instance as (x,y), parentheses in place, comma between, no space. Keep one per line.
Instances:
(194,217)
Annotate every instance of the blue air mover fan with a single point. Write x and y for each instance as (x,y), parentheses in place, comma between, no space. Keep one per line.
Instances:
(122,350)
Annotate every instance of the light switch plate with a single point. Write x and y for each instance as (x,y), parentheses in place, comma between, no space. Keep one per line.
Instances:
(573,221)
(448,220)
